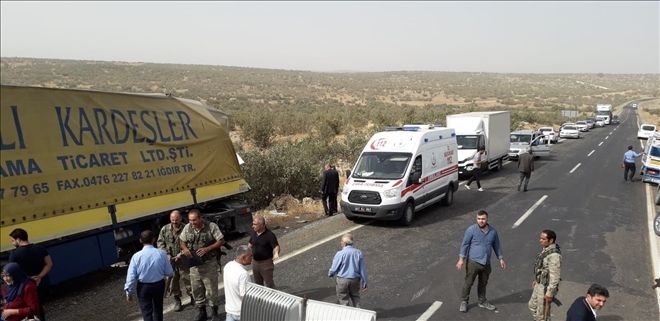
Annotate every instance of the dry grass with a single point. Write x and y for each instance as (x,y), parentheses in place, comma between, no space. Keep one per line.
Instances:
(645,115)
(286,211)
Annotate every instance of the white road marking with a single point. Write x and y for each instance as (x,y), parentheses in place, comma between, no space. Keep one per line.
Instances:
(574,168)
(606,137)
(653,239)
(601,143)
(592,151)
(429,312)
(529,211)
(610,133)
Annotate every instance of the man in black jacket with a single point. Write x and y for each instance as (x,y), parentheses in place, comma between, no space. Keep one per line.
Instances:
(329,189)
(525,167)
(584,308)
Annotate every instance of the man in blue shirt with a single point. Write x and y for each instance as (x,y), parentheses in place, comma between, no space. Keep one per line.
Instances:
(478,242)
(351,272)
(148,268)
(629,163)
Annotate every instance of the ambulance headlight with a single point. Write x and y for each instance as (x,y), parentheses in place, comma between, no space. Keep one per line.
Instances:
(390,193)
(345,190)
(468,167)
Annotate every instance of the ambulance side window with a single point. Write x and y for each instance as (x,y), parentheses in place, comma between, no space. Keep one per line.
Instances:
(415,171)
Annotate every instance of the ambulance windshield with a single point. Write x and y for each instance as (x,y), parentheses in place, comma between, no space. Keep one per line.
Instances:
(382,165)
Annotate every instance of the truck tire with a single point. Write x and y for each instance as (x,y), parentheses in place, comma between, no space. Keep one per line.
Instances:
(408,214)
(656,224)
(449,196)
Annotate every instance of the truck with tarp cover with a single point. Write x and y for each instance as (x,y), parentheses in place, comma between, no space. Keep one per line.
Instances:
(83,172)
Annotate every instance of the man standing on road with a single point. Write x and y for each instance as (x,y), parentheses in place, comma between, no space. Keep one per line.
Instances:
(265,249)
(478,160)
(478,242)
(148,268)
(584,308)
(629,158)
(351,271)
(168,241)
(34,260)
(329,189)
(200,243)
(547,274)
(236,277)
(525,167)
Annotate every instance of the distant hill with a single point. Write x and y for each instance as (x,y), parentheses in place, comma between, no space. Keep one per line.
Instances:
(233,88)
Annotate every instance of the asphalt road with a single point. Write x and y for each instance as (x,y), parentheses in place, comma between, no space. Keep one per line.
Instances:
(600,221)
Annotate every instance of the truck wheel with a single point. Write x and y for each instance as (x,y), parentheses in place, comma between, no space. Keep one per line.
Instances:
(408,214)
(449,196)
(656,224)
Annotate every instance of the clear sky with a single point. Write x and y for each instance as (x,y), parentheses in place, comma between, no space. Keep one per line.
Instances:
(522,37)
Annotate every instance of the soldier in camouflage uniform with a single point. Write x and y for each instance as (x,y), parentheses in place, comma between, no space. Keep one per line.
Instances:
(168,240)
(200,243)
(547,270)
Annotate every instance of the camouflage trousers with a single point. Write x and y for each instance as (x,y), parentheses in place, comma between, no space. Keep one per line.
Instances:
(535,303)
(204,282)
(180,276)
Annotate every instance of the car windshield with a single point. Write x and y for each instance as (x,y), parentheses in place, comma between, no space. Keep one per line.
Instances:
(647,127)
(655,151)
(382,165)
(467,141)
(581,123)
(545,130)
(520,138)
(569,127)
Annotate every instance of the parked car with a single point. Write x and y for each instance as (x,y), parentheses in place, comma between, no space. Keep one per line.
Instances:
(550,134)
(591,122)
(615,119)
(565,124)
(569,131)
(645,131)
(522,140)
(582,126)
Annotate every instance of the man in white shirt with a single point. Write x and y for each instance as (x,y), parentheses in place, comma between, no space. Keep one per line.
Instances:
(235,278)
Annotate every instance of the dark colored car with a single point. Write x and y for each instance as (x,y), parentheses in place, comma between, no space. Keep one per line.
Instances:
(615,119)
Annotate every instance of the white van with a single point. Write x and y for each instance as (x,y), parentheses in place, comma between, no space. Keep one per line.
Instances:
(401,171)
(521,140)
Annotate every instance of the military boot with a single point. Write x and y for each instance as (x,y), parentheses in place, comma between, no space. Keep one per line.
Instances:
(201,314)
(177,303)
(214,313)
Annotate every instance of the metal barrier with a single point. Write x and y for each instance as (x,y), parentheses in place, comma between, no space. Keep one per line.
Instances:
(324,311)
(261,303)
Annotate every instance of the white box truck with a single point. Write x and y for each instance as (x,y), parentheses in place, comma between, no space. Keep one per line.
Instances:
(401,171)
(481,129)
(604,113)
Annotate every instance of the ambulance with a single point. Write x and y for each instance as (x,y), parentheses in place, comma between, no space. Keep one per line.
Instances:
(401,171)
(651,160)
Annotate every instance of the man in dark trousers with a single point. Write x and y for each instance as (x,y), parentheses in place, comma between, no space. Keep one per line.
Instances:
(584,308)
(265,249)
(629,158)
(525,167)
(329,189)
(34,260)
(148,269)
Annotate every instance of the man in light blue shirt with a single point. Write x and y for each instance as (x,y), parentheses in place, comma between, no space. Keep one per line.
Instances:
(478,242)
(148,268)
(629,158)
(351,272)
